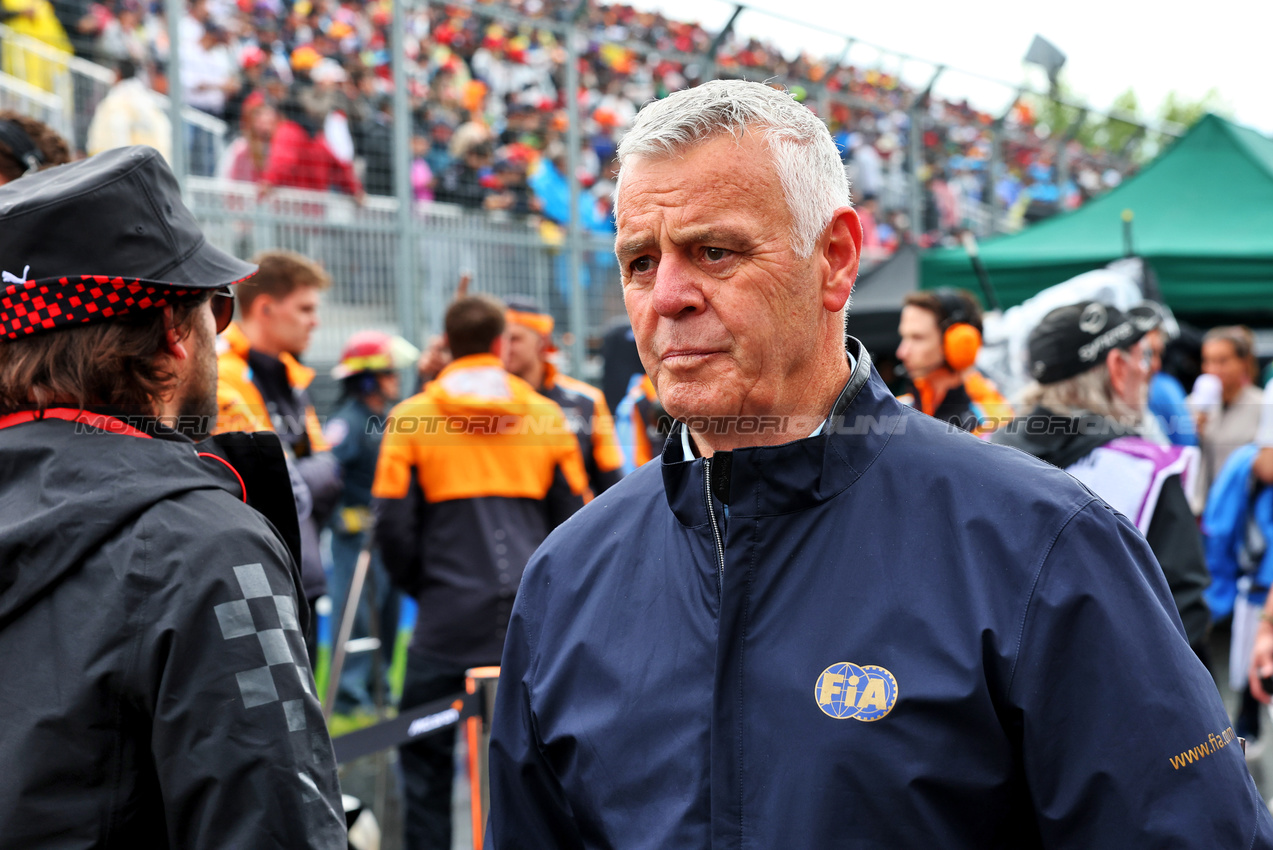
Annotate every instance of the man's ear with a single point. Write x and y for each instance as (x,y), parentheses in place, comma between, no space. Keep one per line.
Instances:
(1117,365)
(174,344)
(261,306)
(841,254)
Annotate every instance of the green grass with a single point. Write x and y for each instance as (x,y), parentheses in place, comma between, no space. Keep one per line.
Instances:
(322,670)
(397,669)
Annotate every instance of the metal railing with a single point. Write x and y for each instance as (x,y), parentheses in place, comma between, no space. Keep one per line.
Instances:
(45,68)
(359,245)
(17,95)
(64,91)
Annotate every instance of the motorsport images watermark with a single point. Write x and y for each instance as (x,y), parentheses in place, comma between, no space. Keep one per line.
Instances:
(535,422)
(127,423)
(541,424)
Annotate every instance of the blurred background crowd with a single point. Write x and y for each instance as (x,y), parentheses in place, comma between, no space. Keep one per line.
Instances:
(306,90)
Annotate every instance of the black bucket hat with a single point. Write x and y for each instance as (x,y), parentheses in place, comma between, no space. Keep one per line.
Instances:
(101,238)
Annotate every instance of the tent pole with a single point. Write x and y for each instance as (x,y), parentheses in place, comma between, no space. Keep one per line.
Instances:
(983,276)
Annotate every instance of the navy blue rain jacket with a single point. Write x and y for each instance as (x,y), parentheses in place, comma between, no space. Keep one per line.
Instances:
(905,637)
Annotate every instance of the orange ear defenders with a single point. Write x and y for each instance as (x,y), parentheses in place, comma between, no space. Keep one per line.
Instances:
(961,331)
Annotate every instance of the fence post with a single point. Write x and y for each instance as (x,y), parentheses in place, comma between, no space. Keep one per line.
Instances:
(713,69)
(918,108)
(174,10)
(574,258)
(64,82)
(408,300)
(1063,155)
(993,174)
(823,96)
(916,156)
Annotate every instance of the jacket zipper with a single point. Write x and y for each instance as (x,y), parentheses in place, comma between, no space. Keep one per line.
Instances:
(711,515)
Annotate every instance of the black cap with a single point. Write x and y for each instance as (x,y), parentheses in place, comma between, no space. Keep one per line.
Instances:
(100,238)
(1071,340)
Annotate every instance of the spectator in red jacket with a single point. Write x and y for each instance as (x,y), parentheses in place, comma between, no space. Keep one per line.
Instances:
(299,157)
(246,157)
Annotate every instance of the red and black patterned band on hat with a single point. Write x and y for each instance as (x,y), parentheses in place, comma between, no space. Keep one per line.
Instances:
(33,306)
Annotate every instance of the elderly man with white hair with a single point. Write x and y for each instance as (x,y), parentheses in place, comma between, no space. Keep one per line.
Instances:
(823,619)
(1092,364)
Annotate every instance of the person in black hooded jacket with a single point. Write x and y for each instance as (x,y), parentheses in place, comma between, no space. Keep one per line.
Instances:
(156,688)
(1091,366)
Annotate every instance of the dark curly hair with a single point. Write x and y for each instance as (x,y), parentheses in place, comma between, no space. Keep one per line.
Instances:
(52,147)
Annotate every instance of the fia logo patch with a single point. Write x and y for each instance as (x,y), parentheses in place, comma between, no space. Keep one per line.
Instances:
(846,690)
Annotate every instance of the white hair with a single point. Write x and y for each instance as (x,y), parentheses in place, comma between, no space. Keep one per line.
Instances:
(1089,392)
(814,183)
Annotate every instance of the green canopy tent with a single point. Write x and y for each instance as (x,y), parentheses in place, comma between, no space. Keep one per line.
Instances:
(1203,218)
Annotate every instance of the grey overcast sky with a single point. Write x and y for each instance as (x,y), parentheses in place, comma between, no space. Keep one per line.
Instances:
(1153,48)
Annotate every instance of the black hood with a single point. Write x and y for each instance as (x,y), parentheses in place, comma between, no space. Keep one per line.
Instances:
(1059,440)
(88,485)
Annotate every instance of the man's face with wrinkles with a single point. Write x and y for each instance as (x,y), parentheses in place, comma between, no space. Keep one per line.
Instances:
(726,315)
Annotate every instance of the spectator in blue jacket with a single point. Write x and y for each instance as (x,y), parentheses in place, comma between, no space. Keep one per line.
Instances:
(824,619)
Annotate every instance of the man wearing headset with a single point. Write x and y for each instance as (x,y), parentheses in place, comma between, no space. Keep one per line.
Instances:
(941,335)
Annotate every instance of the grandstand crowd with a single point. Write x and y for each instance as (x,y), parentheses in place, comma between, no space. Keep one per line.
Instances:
(305,89)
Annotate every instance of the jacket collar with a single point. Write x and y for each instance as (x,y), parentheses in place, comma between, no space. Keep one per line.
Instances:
(298,375)
(109,418)
(795,476)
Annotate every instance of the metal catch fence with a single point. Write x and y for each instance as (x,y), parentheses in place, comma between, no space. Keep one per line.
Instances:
(64,92)
(359,247)
(17,95)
